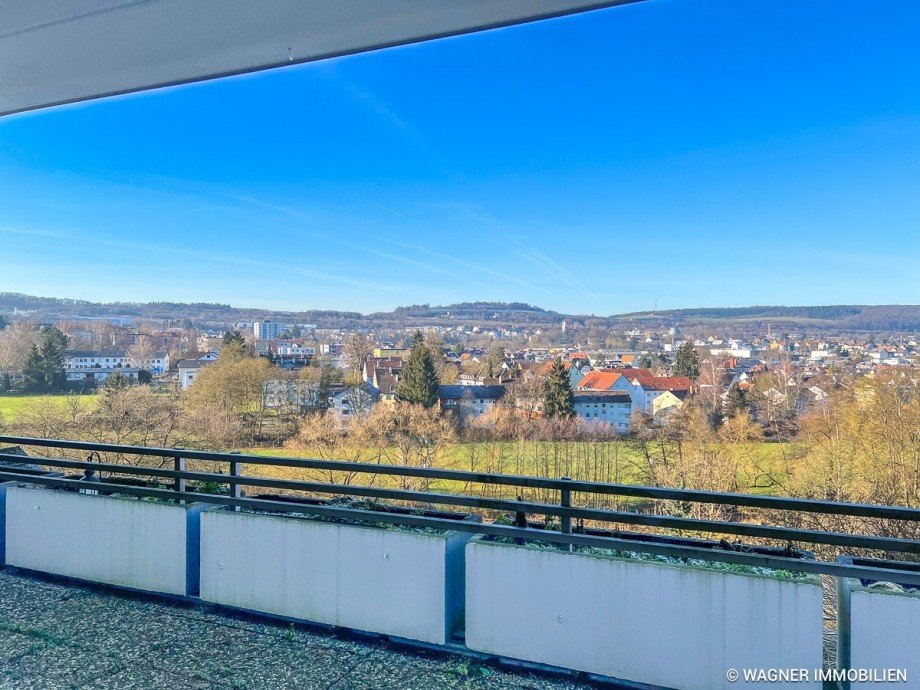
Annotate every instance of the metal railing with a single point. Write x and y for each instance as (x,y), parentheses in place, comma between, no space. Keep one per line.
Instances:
(565,510)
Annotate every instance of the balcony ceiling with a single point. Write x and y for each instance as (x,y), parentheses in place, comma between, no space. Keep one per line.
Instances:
(75,50)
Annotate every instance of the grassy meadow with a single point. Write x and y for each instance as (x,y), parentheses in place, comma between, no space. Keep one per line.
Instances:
(14,406)
(760,464)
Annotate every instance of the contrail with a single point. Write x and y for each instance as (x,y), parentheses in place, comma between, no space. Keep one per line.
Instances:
(388,210)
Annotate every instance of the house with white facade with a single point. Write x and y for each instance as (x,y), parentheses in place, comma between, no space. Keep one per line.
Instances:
(665,405)
(613,408)
(156,363)
(352,401)
(646,390)
(189,370)
(95,359)
(92,376)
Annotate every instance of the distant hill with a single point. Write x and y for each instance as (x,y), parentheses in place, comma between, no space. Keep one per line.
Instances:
(848,317)
(841,317)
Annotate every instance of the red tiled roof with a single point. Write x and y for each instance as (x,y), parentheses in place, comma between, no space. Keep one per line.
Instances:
(547,367)
(633,374)
(665,383)
(387,384)
(599,380)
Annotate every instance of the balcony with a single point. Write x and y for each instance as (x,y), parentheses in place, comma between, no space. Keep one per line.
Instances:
(672,604)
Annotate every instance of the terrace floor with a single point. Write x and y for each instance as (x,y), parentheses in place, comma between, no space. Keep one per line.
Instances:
(55,635)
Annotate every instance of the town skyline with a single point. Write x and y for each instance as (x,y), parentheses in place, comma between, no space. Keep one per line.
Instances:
(820,318)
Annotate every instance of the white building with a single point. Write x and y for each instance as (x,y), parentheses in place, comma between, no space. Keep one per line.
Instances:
(92,376)
(156,363)
(189,369)
(95,359)
(267,330)
(613,408)
(352,402)
(287,348)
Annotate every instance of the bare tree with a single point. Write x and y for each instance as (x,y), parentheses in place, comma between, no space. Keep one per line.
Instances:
(358,347)
(15,342)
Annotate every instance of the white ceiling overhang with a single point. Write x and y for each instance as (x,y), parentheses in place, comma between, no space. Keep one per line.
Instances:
(65,51)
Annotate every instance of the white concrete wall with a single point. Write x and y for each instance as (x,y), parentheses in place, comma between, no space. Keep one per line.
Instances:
(3,488)
(674,626)
(123,542)
(885,633)
(392,582)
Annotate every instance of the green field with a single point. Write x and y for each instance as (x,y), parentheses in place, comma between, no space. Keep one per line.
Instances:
(13,407)
(611,461)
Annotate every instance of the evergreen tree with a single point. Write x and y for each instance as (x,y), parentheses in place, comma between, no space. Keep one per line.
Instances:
(324,378)
(558,399)
(735,401)
(115,383)
(687,362)
(34,372)
(51,350)
(645,361)
(233,338)
(419,381)
(54,336)
(44,367)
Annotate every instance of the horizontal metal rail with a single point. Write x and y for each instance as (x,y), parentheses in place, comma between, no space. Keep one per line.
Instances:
(678,551)
(599,515)
(628,490)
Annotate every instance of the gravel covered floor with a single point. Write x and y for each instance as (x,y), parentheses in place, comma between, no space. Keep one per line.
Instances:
(56,635)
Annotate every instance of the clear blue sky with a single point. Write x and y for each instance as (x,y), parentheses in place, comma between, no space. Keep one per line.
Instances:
(692,152)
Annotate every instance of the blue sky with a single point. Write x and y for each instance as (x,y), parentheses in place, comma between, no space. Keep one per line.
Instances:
(705,152)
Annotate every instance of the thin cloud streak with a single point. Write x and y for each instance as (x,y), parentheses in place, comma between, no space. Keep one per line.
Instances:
(388,210)
(462,262)
(218,258)
(425,265)
(544,262)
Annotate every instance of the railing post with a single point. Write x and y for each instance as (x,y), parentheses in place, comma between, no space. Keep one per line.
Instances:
(565,501)
(179,484)
(236,491)
(520,520)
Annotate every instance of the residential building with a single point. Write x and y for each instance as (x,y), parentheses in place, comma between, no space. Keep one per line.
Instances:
(647,389)
(209,342)
(267,330)
(94,376)
(95,359)
(189,369)
(390,352)
(352,401)
(156,363)
(613,408)
(469,400)
(665,405)
(383,374)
